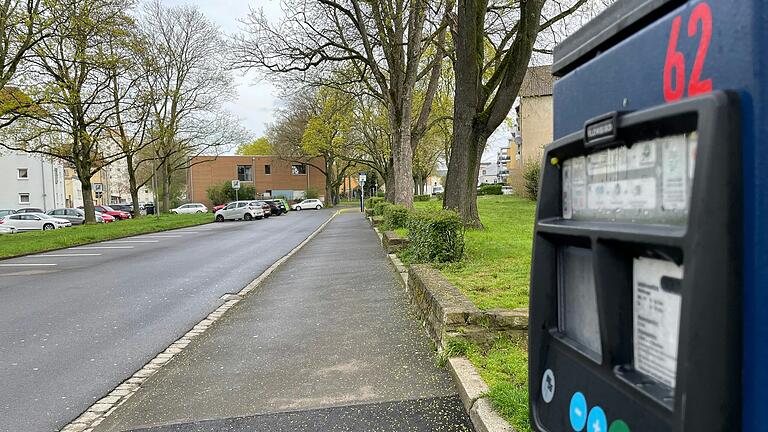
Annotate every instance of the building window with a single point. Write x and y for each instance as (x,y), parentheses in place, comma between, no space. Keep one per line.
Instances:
(23,198)
(22,173)
(298,169)
(267,169)
(244,173)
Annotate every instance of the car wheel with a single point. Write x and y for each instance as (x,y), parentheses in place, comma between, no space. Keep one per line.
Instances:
(219,218)
(298,208)
(199,211)
(48,227)
(248,217)
(259,217)
(318,207)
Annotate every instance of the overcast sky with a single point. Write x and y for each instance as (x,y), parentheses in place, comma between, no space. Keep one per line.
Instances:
(257,98)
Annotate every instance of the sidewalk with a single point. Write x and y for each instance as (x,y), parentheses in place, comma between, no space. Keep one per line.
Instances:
(327,343)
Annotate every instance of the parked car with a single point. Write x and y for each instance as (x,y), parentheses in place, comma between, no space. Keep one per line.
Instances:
(6,212)
(437,190)
(264,206)
(284,204)
(7,229)
(245,210)
(103,218)
(128,208)
(34,222)
(117,214)
(30,210)
(71,214)
(277,207)
(219,207)
(309,204)
(190,208)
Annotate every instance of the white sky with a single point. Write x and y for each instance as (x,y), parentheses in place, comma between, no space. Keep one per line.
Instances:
(257,99)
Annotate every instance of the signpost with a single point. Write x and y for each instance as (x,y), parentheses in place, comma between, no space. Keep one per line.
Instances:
(236,187)
(361,180)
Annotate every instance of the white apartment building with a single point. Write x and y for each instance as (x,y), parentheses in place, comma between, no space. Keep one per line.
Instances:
(489,173)
(30,180)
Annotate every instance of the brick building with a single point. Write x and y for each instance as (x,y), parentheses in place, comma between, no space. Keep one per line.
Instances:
(269,174)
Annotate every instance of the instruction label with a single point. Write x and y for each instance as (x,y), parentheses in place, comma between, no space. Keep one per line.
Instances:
(656,317)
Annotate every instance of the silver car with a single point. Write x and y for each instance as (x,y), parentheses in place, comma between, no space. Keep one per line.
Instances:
(76,216)
(245,210)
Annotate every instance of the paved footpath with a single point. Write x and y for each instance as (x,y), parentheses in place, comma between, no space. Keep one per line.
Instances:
(326,343)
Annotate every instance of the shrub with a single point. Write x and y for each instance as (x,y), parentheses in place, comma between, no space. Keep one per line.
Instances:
(378,208)
(311,193)
(223,193)
(531,175)
(395,216)
(372,201)
(422,198)
(435,236)
(380,194)
(489,189)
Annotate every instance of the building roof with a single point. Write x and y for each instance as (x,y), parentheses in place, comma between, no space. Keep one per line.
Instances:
(538,81)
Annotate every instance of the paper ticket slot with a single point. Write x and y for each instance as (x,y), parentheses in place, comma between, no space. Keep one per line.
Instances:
(635,285)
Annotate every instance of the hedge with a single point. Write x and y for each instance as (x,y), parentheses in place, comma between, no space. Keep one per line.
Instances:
(489,189)
(395,216)
(435,236)
(422,198)
(371,202)
(378,208)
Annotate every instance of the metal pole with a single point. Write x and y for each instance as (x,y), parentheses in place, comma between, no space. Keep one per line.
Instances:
(362,193)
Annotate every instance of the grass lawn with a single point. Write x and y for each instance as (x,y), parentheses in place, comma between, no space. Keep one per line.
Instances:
(40,241)
(495,271)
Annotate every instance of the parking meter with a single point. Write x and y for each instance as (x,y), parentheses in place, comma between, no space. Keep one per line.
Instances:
(649,268)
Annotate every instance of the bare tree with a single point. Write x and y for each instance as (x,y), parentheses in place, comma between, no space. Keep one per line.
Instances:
(187,84)
(494,42)
(71,68)
(385,44)
(23,23)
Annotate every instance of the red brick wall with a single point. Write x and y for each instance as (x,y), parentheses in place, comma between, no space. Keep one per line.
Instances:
(207,171)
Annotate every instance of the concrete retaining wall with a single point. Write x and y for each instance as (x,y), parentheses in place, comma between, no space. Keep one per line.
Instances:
(393,243)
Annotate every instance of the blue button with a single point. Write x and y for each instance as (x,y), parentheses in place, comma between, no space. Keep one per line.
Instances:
(596,422)
(578,411)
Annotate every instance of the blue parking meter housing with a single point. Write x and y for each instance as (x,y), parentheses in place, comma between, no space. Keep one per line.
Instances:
(649,269)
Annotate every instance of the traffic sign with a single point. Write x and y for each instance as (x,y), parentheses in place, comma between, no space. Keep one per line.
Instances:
(362,177)
(235,184)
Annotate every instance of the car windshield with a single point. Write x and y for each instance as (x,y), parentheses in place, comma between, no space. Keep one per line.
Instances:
(107,208)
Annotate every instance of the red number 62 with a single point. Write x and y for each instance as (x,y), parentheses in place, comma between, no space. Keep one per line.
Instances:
(674,66)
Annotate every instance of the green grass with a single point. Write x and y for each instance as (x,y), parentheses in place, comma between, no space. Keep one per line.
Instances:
(40,241)
(495,270)
(504,367)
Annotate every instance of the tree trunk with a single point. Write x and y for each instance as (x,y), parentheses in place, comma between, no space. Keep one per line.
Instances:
(463,169)
(166,188)
(389,183)
(402,157)
(134,189)
(86,189)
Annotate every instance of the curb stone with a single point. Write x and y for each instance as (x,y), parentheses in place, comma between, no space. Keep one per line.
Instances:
(472,391)
(105,406)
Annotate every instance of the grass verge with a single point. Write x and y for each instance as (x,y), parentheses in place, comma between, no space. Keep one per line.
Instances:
(495,270)
(504,367)
(12,245)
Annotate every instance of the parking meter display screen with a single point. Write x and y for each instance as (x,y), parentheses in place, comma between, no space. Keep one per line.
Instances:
(647,182)
(578,319)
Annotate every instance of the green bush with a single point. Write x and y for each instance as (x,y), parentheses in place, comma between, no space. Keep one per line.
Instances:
(223,193)
(379,207)
(531,175)
(371,202)
(380,194)
(312,193)
(421,198)
(435,236)
(395,216)
(489,189)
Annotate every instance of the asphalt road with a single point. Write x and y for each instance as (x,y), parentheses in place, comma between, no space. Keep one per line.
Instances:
(77,322)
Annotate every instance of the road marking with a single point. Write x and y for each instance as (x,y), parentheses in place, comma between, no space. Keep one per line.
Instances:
(65,255)
(103,247)
(162,236)
(27,265)
(134,241)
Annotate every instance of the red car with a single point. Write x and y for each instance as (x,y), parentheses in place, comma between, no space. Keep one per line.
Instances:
(107,210)
(218,207)
(106,218)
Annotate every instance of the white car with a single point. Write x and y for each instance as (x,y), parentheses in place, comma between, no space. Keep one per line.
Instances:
(308,204)
(7,229)
(245,210)
(35,222)
(190,208)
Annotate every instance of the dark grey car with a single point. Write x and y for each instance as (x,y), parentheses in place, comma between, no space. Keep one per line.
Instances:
(73,215)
